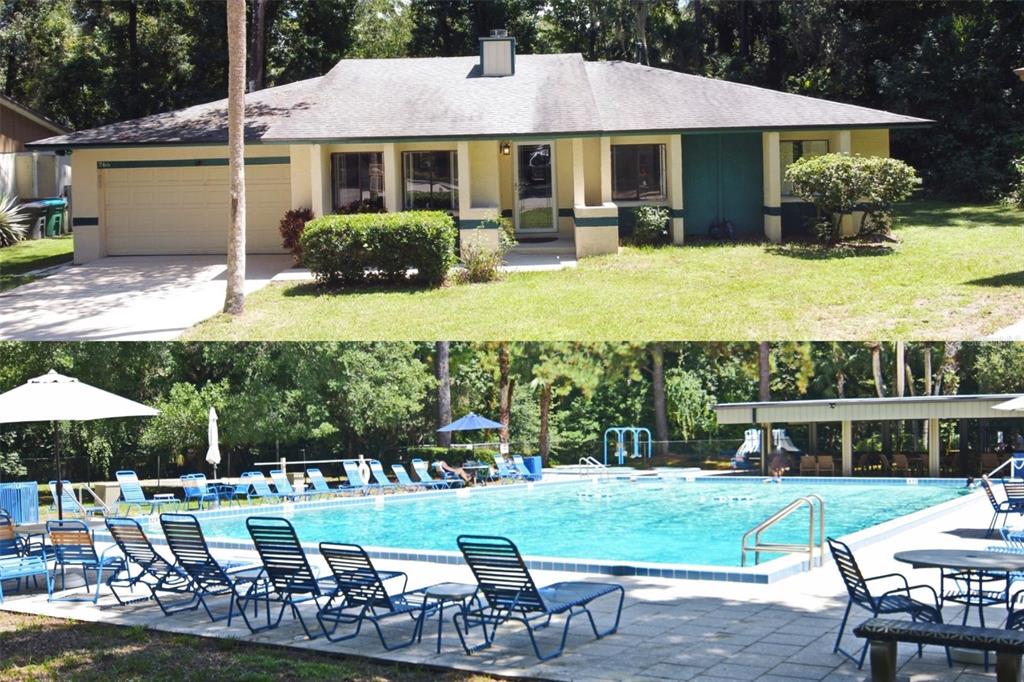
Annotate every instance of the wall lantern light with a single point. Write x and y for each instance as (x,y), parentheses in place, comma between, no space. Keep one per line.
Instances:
(506,148)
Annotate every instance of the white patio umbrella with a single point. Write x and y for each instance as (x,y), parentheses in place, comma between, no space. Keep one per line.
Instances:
(1014,405)
(54,397)
(213,452)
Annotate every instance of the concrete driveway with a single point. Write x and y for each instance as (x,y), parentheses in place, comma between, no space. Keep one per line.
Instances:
(128,298)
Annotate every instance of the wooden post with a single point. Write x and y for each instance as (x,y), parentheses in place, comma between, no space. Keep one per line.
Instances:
(847,438)
(933,448)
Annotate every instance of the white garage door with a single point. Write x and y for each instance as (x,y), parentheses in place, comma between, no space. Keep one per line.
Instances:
(153,208)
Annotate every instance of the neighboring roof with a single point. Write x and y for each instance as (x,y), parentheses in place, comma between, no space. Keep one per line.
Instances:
(32,115)
(863,409)
(446,97)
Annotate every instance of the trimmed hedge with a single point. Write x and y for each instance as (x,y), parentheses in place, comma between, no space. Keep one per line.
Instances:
(380,247)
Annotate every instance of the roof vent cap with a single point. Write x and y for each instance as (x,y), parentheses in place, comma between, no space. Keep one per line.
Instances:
(498,54)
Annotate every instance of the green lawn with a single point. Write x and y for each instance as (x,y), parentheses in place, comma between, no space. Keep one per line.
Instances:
(31,255)
(37,648)
(957,273)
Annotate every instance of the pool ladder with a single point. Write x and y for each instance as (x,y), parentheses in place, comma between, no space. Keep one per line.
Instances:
(815,506)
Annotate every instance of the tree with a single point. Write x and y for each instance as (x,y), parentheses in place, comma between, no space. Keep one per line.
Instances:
(234,297)
(658,386)
(259,42)
(444,392)
(506,386)
(764,371)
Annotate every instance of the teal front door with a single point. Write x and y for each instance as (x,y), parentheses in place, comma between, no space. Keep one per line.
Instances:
(723,180)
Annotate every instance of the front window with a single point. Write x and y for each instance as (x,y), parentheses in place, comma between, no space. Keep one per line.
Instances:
(358,181)
(638,172)
(792,150)
(431,181)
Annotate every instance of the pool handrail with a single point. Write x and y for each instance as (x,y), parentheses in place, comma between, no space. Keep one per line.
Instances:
(815,505)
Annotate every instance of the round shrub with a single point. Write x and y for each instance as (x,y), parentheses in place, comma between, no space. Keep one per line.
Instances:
(651,226)
(380,247)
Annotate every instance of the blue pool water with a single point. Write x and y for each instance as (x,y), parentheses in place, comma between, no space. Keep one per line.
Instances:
(665,522)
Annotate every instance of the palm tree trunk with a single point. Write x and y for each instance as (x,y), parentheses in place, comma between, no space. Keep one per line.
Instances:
(234,298)
(764,385)
(259,41)
(876,368)
(545,409)
(658,385)
(505,391)
(444,391)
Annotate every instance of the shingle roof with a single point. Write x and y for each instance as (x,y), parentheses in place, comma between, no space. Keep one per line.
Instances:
(446,97)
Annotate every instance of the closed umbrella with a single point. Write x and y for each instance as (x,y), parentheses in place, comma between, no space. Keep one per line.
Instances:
(54,397)
(213,452)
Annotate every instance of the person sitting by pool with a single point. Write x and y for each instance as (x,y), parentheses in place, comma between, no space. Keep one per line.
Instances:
(458,471)
(778,465)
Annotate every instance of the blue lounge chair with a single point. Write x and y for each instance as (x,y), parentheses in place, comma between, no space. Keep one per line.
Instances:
(320,485)
(520,466)
(505,473)
(406,481)
(512,595)
(897,600)
(133,495)
(361,596)
(73,545)
(381,478)
(199,491)
(284,486)
(15,567)
(155,573)
(423,472)
(355,477)
(261,489)
(70,503)
(290,580)
(209,578)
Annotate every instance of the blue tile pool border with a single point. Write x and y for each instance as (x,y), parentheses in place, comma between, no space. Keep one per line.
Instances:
(765,573)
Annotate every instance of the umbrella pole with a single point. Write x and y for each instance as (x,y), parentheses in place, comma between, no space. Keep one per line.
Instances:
(60,478)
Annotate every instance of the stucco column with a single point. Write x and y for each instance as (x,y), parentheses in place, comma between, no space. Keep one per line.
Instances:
(392,177)
(299,167)
(465,178)
(578,189)
(606,170)
(933,448)
(675,190)
(316,181)
(772,187)
(89,234)
(847,438)
(847,225)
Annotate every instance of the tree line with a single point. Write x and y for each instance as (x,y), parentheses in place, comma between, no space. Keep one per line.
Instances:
(327,400)
(90,62)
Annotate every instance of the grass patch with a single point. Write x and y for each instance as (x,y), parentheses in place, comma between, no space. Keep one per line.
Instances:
(956,273)
(30,255)
(38,648)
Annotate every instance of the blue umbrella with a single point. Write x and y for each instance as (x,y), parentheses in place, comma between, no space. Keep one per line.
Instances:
(471,422)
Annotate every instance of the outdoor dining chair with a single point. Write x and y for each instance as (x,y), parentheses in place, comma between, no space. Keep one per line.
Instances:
(290,581)
(197,490)
(73,545)
(362,597)
(808,466)
(999,508)
(512,595)
(896,600)
(13,543)
(155,573)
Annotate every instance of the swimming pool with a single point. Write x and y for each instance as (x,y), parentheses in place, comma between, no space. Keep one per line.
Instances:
(670,522)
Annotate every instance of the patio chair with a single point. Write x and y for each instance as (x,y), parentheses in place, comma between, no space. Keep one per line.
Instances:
(133,495)
(826,465)
(1014,489)
(1003,508)
(73,545)
(71,504)
(808,466)
(406,481)
(13,543)
(355,477)
(450,476)
(423,473)
(155,572)
(320,485)
(197,490)
(290,580)
(260,487)
(380,476)
(520,465)
(361,596)
(284,486)
(900,465)
(897,600)
(209,577)
(512,595)
(17,567)
(505,472)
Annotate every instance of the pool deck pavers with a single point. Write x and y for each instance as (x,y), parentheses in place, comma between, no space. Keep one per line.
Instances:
(670,630)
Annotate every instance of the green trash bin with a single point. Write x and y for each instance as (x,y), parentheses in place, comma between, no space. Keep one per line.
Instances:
(53,225)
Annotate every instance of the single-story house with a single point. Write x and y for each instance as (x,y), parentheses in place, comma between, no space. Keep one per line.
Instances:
(29,174)
(565,147)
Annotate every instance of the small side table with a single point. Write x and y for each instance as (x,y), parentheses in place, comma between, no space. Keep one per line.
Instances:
(441,594)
